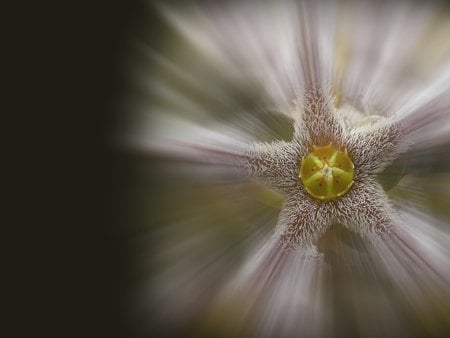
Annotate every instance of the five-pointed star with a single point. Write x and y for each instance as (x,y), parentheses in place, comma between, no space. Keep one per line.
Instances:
(364,207)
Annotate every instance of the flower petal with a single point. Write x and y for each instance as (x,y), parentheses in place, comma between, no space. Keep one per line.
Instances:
(320,119)
(301,222)
(276,163)
(371,150)
(366,210)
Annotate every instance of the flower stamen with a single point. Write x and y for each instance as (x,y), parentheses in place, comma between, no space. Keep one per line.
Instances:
(326,172)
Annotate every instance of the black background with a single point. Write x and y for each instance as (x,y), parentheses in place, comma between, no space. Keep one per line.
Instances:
(64,258)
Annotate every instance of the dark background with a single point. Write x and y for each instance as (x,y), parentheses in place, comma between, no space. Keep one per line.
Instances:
(65,263)
(97,260)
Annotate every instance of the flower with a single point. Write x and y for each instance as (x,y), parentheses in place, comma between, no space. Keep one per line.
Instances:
(371,146)
(213,91)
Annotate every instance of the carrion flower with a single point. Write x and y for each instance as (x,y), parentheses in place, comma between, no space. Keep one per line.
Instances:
(328,172)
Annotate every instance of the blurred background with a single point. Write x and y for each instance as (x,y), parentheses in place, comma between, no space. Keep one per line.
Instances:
(202,79)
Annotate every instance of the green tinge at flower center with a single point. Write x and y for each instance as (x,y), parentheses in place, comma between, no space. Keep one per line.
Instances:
(326,172)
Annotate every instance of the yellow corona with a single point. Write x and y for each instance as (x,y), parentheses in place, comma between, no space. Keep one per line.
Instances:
(326,172)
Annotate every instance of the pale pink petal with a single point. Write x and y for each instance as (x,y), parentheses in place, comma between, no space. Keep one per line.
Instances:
(373,149)
(366,210)
(276,163)
(301,222)
(320,119)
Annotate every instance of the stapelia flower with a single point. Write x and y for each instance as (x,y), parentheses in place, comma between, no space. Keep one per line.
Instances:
(327,172)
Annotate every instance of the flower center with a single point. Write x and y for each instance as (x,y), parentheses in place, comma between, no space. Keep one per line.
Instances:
(326,172)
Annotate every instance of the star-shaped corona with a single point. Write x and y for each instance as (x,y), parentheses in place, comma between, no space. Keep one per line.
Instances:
(327,172)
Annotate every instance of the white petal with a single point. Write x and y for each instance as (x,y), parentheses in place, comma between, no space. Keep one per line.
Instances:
(301,222)
(275,163)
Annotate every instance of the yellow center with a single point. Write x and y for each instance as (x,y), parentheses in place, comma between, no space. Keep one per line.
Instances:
(326,172)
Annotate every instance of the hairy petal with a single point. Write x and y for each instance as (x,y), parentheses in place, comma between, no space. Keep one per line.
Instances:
(372,149)
(301,222)
(366,210)
(301,138)
(276,163)
(320,119)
